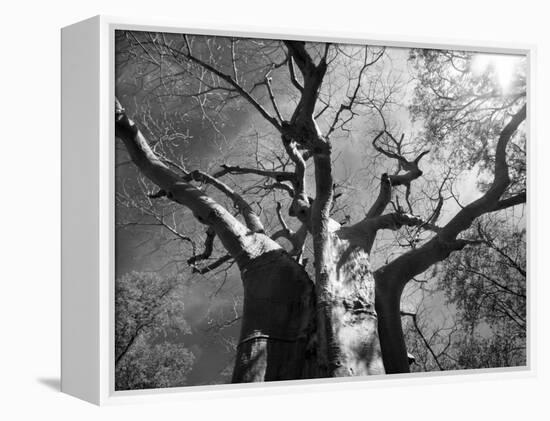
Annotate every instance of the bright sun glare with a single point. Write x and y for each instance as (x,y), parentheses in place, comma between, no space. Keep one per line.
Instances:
(504,67)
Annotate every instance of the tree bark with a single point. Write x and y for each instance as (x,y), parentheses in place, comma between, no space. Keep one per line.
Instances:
(277,323)
(282,308)
(350,311)
(392,277)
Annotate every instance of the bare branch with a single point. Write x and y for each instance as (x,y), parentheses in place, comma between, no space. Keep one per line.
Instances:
(292,72)
(236,169)
(231,81)
(251,219)
(384,197)
(491,244)
(297,239)
(212,266)
(300,204)
(490,200)
(281,219)
(272,96)
(208,248)
(313,78)
(354,96)
(229,230)
(509,202)
(398,272)
(389,181)
(363,233)
(426,343)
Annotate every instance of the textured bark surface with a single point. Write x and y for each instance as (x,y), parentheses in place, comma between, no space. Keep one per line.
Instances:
(277,320)
(390,330)
(278,336)
(355,346)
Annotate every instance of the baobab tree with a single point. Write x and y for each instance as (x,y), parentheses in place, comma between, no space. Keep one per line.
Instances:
(336,311)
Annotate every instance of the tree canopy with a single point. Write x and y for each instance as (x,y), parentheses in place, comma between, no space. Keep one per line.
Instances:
(393,178)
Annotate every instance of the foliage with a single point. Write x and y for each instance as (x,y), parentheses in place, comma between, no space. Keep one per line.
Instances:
(148,320)
(463,104)
(487,284)
(484,288)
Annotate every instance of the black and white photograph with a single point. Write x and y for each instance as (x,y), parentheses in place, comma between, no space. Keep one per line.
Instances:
(295,210)
(234,210)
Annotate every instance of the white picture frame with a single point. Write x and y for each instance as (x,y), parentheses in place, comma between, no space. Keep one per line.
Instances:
(88,213)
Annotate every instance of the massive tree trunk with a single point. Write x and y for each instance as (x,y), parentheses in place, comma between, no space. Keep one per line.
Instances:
(277,321)
(280,330)
(282,307)
(349,312)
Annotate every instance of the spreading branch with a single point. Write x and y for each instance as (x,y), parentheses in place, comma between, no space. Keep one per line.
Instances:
(312,75)
(391,278)
(440,246)
(252,220)
(212,266)
(363,233)
(511,201)
(208,248)
(297,239)
(235,169)
(230,80)
(412,169)
(229,230)
(490,200)
(353,98)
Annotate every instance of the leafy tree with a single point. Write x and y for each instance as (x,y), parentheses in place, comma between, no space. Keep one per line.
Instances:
(485,287)
(464,109)
(148,319)
(322,292)
(488,288)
